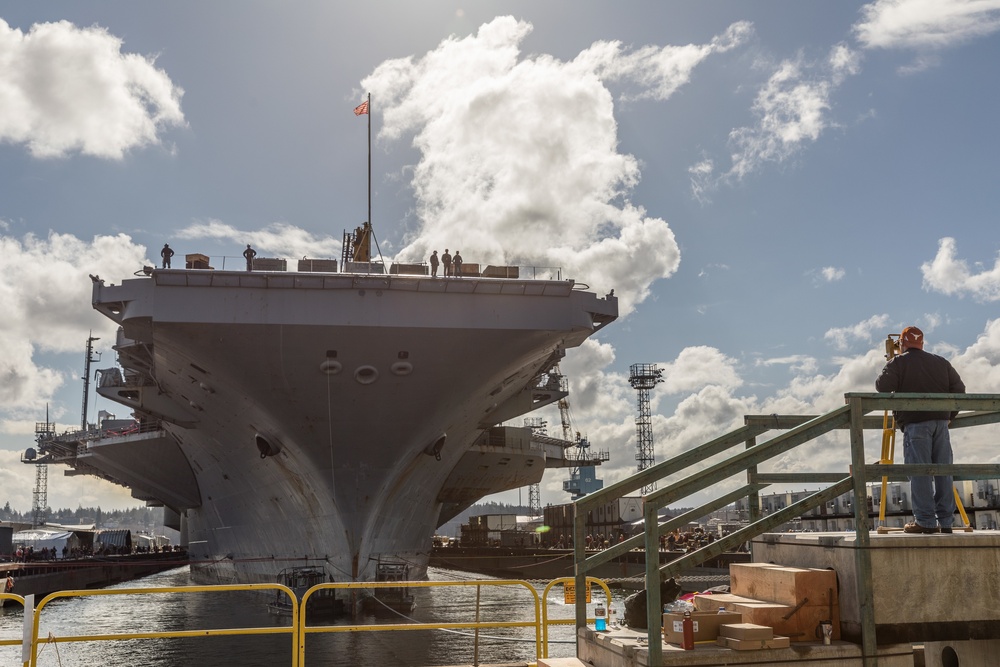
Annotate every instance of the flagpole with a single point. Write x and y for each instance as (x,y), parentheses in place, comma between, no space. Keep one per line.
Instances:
(369,158)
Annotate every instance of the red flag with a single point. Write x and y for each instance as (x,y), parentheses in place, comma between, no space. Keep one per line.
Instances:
(361,109)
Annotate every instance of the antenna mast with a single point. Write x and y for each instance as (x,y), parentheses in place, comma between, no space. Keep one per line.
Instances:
(86,381)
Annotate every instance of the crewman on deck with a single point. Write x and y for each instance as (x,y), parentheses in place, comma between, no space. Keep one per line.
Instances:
(9,586)
(434,264)
(249,253)
(166,254)
(446,261)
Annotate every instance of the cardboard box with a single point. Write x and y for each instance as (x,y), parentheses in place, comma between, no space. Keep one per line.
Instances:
(752,644)
(706,625)
(713,602)
(746,631)
(785,585)
(801,624)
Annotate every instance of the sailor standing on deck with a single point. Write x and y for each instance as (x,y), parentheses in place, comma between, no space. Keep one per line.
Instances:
(249,253)
(446,260)
(9,586)
(458,262)
(166,254)
(434,264)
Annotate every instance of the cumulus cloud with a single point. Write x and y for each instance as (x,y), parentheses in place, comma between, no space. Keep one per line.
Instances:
(842,337)
(792,110)
(46,294)
(832,273)
(279,238)
(926,24)
(519,160)
(948,274)
(798,363)
(66,89)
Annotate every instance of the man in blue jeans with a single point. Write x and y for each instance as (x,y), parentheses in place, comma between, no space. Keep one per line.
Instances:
(925,434)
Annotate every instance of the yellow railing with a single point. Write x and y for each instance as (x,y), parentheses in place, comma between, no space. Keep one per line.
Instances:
(20,600)
(289,630)
(566,621)
(299,627)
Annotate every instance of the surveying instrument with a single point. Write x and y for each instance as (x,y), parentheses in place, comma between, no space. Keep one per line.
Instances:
(892,348)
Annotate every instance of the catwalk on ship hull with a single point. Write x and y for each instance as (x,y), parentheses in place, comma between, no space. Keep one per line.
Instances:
(329,418)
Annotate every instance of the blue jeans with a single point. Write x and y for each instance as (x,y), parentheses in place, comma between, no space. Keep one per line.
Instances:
(933,498)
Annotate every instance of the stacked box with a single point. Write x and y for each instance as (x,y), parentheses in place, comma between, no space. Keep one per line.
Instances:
(749,636)
(791,600)
(706,625)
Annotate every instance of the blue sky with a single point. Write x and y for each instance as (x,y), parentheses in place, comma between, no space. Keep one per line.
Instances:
(770,187)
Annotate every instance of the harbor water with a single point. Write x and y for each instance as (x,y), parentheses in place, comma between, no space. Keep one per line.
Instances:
(168,612)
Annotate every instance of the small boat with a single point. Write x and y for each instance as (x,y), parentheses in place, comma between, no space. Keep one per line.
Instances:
(300,580)
(390,599)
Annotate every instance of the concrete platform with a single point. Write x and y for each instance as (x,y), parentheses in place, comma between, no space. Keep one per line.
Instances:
(927,588)
(627,648)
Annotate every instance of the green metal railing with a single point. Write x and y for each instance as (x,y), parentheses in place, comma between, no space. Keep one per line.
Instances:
(693,477)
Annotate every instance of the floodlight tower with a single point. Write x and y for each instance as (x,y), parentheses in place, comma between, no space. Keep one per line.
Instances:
(643,377)
(40,495)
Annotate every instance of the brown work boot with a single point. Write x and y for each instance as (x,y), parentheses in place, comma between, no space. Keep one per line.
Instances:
(917,528)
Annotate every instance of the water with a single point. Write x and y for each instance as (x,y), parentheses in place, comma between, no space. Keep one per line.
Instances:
(194,611)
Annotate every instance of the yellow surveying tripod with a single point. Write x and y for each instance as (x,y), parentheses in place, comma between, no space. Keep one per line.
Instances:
(888,450)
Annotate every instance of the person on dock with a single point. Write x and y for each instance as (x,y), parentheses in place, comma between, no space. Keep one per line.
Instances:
(925,434)
(434,264)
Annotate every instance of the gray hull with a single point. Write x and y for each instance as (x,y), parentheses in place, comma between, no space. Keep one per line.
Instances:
(329,418)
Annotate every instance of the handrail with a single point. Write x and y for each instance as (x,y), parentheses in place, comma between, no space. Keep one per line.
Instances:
(566,621)
(299,627)
(19,599)
(978,409)
(172,634)
(306,629)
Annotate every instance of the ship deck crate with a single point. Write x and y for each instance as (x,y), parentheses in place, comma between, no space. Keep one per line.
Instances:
(269,264)
(196,261)
(492,271)
(408,269)
(317,265)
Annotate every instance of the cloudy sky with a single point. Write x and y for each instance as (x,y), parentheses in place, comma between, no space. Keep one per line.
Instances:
(769,187)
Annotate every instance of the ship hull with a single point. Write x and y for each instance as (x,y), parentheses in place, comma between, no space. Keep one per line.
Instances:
(333,419)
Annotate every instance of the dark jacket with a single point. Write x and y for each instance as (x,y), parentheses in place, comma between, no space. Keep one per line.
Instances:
(916,371)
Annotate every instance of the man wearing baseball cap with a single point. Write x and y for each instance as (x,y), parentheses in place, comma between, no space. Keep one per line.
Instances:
(925,434)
